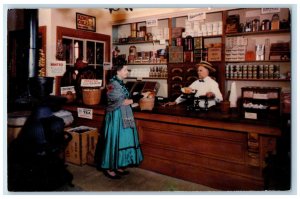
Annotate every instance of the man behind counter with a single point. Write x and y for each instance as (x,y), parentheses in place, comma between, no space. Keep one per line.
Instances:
(205,86)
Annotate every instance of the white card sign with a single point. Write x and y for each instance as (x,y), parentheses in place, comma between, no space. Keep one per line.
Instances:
(64,90)
(56,68)
(85,113)
(197,16)
(151,23)
(91,82)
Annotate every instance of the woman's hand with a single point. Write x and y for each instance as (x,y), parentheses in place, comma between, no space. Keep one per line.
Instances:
(127,102)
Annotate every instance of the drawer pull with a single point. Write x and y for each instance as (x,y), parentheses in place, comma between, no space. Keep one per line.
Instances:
(192,78)
(191,70)
(178,86)
(177,78)
(176,70)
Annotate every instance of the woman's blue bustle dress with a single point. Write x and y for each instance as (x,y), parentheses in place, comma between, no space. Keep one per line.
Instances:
(122,147)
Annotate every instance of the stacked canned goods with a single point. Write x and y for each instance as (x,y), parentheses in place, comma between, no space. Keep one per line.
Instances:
(252,71)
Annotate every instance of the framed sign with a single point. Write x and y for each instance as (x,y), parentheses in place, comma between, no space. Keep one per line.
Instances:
(85,22)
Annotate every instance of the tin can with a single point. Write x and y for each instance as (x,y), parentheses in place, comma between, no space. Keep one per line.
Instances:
(260,71)
(266,72)
(271,71)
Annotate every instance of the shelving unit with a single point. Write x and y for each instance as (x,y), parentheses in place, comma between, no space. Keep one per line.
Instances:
(258,37)
(207,41)
(137,42)
(258,33)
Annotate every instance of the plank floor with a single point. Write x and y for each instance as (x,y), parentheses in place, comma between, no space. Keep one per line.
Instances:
(88,179)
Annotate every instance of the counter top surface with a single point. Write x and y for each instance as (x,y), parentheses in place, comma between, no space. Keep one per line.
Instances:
(213,114)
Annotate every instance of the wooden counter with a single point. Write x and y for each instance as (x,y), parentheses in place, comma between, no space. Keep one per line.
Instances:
(213,149)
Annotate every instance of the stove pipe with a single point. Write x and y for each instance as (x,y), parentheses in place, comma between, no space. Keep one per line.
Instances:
(33,42)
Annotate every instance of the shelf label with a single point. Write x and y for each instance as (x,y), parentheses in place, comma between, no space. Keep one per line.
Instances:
(151,23)
(91,82)
(85,113)
(196,16)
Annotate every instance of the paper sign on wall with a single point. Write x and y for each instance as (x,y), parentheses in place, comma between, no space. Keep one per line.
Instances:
(91,82)
(151,23)
(85,113)
(197,16)
(269,10)
(56,68)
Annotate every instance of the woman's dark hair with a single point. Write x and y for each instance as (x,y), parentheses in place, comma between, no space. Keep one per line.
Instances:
(118,64)
(118,67)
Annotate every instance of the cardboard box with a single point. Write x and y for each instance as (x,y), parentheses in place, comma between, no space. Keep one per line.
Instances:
(81,149)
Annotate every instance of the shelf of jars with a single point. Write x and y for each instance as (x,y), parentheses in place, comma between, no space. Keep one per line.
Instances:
(256,72)
(153,72)
(266,32)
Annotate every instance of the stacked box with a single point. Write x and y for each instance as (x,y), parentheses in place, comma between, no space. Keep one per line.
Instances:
(81,149)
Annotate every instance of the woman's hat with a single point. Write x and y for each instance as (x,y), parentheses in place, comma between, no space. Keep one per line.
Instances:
(206,65)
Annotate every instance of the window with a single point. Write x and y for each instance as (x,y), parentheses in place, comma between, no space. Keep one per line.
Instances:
(91,51)
(94,47)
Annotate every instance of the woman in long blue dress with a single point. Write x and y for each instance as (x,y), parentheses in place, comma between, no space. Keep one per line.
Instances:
(121,143)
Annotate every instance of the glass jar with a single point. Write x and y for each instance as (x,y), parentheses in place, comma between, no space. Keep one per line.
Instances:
(255,25)
(265,25)
(275,22)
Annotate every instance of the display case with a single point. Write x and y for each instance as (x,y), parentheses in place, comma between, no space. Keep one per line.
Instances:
(261,103)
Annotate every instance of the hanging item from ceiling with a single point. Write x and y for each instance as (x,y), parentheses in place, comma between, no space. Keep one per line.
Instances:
(117,9)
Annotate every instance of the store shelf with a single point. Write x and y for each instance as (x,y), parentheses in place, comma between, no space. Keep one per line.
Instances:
(211,36)
(162,78)
(259,33)
(271,80)
(264,61)
(139,42)
(146,64)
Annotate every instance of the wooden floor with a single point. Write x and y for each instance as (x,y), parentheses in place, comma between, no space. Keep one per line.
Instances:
(88,179)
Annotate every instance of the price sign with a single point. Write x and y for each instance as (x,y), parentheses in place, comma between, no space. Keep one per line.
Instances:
(91,82)
(56,68)
(85,113)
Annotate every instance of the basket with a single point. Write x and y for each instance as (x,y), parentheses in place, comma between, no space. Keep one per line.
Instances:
(91,96)
(147,103)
